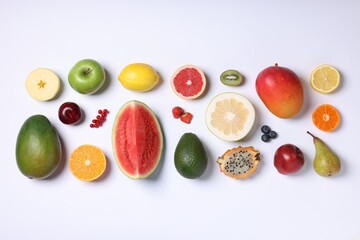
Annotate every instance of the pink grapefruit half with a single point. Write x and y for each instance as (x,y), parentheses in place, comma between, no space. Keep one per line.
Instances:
(188,82)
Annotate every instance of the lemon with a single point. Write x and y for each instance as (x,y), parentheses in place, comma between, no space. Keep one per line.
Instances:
(139,77)
(325,78)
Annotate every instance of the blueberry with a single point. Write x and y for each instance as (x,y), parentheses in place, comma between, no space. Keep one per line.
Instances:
(272,134)
(265,138)
(265,129)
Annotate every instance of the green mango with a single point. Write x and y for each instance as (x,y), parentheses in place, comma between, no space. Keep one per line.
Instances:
(38,148)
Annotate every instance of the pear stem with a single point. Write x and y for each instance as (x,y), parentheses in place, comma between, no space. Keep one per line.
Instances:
(311,134)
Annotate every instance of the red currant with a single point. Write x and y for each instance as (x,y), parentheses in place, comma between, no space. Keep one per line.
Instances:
(100,118)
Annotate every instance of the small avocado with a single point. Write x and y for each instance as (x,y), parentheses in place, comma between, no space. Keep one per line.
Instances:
(190,156)
(38,148)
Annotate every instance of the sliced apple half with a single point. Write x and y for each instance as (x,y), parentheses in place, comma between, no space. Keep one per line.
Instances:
(43,84)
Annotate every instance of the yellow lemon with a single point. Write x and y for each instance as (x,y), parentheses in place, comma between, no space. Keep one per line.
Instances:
(325,79)
(139,77)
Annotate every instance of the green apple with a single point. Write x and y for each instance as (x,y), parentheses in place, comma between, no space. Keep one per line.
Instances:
(86,76)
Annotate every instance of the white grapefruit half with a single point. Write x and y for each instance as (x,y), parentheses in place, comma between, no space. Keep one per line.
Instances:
(230,116)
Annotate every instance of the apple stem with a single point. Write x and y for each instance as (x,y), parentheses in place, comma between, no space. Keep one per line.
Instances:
(88,71)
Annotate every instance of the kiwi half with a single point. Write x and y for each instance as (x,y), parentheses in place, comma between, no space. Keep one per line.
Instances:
(231,77)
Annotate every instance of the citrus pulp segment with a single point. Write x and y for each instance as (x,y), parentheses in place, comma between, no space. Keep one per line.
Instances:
(188,82)
(87,162)
(326,117)
(325,78)
(230,116)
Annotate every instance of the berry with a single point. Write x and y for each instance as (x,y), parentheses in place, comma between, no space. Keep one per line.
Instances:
(177,112)
(186,117)
(265,138)
(272,134)
(265,129)
(99,119)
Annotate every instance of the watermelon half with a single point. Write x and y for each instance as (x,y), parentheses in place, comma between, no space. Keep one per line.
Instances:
(137,140)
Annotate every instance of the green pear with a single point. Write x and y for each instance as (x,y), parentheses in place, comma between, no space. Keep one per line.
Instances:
(326,162)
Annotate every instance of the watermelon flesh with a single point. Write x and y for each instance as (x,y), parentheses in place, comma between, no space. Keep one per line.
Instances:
(137,140)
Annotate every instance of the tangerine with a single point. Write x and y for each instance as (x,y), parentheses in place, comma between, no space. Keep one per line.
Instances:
(326,117)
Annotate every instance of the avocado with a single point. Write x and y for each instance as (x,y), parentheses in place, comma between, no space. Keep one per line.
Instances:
(38,148)
(190,156)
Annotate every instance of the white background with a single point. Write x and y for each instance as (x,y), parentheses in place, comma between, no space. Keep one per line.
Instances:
(215,36)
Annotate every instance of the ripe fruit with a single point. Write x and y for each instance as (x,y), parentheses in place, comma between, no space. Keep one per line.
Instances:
(100,118)
(326,162)
(325,79)
(38,148)
(280,90)
(265,129)
(230,116)
(43,84)
(265,138)
(288,159)
(139,77)
(188,82)
(268,134)
(87,162)
(190,156)
(177,112)
(86,76)
(239,162)
(186,117)
(272,134)
(231,78)
(137,140)
(69,113)
(326,117)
